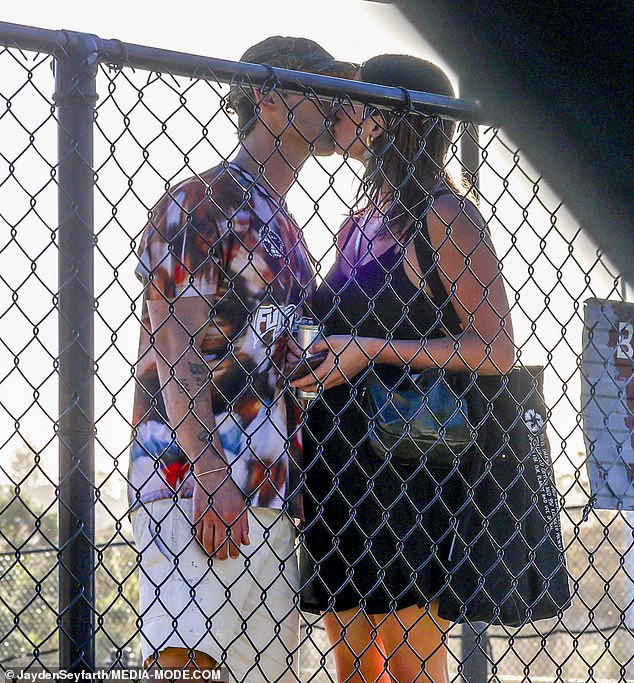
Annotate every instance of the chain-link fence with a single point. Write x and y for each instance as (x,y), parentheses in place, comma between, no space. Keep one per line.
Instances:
(92,134)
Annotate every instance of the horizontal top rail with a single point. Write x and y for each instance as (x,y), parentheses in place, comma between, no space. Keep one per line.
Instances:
(31,38)
(119,54)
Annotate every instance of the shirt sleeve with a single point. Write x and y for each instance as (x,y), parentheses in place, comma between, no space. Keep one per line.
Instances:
(178,253)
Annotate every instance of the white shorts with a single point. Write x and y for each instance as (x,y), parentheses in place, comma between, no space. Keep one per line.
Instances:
(243,612)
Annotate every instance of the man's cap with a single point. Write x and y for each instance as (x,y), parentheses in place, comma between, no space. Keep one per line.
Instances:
(297,54)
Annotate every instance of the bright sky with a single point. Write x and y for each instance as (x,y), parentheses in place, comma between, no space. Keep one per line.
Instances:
(351,29)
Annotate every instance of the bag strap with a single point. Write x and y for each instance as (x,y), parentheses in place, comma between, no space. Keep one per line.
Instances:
(428,263)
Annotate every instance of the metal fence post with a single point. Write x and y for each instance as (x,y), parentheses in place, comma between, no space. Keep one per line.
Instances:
(470,155)
(474,641)
(75,98)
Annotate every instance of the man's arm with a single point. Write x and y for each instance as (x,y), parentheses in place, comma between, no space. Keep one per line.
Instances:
(219,507)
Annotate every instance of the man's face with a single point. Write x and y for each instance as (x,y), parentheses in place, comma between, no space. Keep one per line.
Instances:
(305,124)
(351,129)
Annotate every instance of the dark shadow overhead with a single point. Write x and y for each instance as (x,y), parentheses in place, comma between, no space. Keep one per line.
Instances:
(559,78)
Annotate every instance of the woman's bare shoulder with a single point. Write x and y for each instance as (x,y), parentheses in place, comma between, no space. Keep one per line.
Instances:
(451,205)
(457,215)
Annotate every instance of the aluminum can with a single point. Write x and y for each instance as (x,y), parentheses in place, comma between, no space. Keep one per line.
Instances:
(306,335)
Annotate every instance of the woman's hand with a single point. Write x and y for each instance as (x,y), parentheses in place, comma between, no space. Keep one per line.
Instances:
(347,357)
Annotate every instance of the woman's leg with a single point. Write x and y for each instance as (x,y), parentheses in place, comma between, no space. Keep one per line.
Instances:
(357,647)
(415,642)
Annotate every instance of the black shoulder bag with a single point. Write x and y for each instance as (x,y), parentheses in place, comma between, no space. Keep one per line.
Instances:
(507,564)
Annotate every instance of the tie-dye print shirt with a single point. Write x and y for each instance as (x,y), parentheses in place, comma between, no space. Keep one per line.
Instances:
(223,237)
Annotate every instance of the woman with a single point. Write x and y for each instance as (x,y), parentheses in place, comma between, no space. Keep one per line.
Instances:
(379,536)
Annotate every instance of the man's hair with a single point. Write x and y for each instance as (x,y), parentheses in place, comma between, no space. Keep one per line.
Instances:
(297,54)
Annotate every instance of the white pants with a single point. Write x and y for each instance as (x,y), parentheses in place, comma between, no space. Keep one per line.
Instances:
(243,612)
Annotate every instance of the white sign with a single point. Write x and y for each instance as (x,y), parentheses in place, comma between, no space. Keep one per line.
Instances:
(607,394)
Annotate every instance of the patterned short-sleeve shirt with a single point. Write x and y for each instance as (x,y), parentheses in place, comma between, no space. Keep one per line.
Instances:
(223,237)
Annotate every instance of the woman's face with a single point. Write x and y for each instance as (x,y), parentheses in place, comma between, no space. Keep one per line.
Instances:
(351,130)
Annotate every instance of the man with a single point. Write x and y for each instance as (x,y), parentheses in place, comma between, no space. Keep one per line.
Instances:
(213,461)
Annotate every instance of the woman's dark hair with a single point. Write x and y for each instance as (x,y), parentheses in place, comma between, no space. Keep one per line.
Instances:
(407,162)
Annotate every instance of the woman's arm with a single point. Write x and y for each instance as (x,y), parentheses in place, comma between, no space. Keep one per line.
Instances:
(470,272)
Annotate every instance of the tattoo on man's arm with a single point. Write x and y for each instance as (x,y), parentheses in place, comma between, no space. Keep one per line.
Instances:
(201,373)
(183,386)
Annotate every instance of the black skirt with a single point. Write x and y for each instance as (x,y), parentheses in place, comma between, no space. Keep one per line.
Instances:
(375,536)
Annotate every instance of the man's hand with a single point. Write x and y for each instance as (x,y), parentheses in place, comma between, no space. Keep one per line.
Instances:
(220,515)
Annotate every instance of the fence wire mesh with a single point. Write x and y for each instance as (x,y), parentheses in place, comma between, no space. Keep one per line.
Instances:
(154,129)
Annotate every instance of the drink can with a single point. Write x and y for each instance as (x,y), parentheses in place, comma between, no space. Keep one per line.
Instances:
(306,335)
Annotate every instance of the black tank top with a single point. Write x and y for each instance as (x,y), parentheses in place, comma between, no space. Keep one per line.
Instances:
(377,299)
